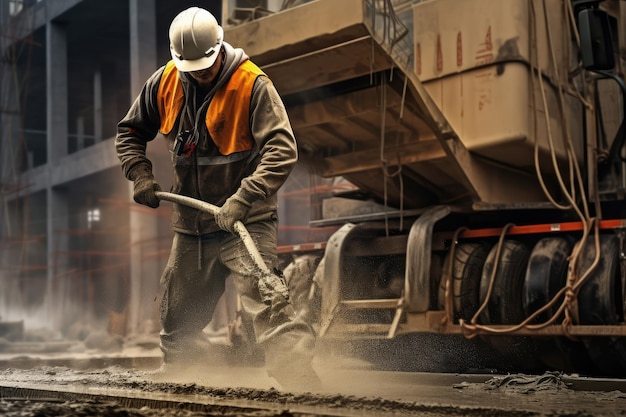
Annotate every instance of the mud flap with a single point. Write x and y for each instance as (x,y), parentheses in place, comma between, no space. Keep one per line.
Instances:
(333,270)
(418,259)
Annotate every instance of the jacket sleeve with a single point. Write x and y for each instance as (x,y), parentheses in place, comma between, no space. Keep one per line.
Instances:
(139,126)
(278,152)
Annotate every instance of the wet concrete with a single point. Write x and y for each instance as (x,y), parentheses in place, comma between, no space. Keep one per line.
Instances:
(350,388)
(129,382)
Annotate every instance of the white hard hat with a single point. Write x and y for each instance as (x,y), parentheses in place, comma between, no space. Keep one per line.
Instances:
(195,39)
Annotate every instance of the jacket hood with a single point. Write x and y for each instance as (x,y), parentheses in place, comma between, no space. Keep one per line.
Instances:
(232,59)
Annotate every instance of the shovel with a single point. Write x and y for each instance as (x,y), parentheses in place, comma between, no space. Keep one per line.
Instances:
(240,229)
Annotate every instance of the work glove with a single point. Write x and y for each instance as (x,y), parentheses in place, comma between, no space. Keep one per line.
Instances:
(234,209)
(145,187)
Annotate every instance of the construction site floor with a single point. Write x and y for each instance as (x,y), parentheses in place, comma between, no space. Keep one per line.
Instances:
(131,382)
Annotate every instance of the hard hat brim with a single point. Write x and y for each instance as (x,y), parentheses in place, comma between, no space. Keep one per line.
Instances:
(188,65)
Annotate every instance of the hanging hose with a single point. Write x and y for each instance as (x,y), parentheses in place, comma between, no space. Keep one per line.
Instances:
(447,276)
(568,306)
(575,278)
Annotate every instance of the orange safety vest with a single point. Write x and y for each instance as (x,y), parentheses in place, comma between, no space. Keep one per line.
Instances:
(228,115)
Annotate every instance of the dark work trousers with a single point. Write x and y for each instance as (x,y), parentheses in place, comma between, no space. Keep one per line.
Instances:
(193,281)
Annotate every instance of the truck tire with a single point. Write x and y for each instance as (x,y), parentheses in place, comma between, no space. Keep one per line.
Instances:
(599,303)
(546,275)
(469,259)
(505,304)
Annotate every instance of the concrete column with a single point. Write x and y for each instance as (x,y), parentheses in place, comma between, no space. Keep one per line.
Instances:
(225,12)
(10,129)
(4,13)
(57,242)
(97,107)
(274,5)
(57,144)
(80,133)
(56,92)
(111,113)
(143,37)
(145,272)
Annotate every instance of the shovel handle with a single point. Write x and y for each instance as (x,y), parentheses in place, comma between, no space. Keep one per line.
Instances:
(240,229)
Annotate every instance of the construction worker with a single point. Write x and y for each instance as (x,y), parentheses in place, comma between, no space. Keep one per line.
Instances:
(231,145)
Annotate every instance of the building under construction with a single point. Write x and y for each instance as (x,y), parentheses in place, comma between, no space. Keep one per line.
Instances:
(74,247)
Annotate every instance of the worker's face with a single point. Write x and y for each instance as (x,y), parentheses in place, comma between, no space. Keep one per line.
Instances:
(206,76)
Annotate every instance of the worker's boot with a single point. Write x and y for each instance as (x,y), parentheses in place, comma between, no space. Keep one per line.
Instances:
(186,357)
(288,360)
(297,378)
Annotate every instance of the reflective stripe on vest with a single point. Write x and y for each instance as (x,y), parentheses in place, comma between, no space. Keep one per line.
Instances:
(228,116)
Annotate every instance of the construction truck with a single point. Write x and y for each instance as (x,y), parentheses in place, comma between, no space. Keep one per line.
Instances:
(472,157)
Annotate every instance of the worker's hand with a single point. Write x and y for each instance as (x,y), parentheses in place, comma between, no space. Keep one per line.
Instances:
(234,209)
(144,189)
